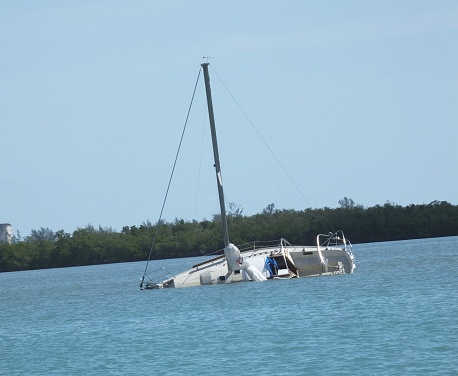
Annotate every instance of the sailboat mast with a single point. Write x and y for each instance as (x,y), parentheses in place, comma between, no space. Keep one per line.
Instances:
(219,179)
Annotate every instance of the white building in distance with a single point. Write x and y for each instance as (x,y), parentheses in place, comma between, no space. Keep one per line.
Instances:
(6,233)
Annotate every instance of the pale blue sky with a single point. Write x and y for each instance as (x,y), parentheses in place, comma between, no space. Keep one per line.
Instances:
(356,99)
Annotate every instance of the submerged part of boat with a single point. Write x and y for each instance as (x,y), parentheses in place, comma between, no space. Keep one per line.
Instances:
(331,255)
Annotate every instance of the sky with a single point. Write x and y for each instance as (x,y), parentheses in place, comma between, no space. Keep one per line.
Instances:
(314,101)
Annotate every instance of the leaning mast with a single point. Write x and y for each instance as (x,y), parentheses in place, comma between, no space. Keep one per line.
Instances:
(219,179)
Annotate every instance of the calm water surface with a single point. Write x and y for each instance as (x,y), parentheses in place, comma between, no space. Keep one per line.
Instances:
(397,315)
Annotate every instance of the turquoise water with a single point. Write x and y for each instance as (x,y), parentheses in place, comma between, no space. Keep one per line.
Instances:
(397,315)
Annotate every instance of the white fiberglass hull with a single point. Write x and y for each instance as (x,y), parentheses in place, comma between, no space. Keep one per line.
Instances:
(291,262)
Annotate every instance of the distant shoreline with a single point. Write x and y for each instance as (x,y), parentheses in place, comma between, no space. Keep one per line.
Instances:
(45,249)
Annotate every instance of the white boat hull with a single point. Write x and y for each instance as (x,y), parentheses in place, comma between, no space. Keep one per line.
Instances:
(292,262)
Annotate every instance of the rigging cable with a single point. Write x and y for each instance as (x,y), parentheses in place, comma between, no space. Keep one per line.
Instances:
(170,181)
(262,138)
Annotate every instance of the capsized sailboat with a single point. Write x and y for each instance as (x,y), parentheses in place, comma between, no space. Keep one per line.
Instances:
(331,255)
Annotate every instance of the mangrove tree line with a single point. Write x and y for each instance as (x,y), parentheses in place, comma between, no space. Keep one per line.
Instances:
(45,248)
